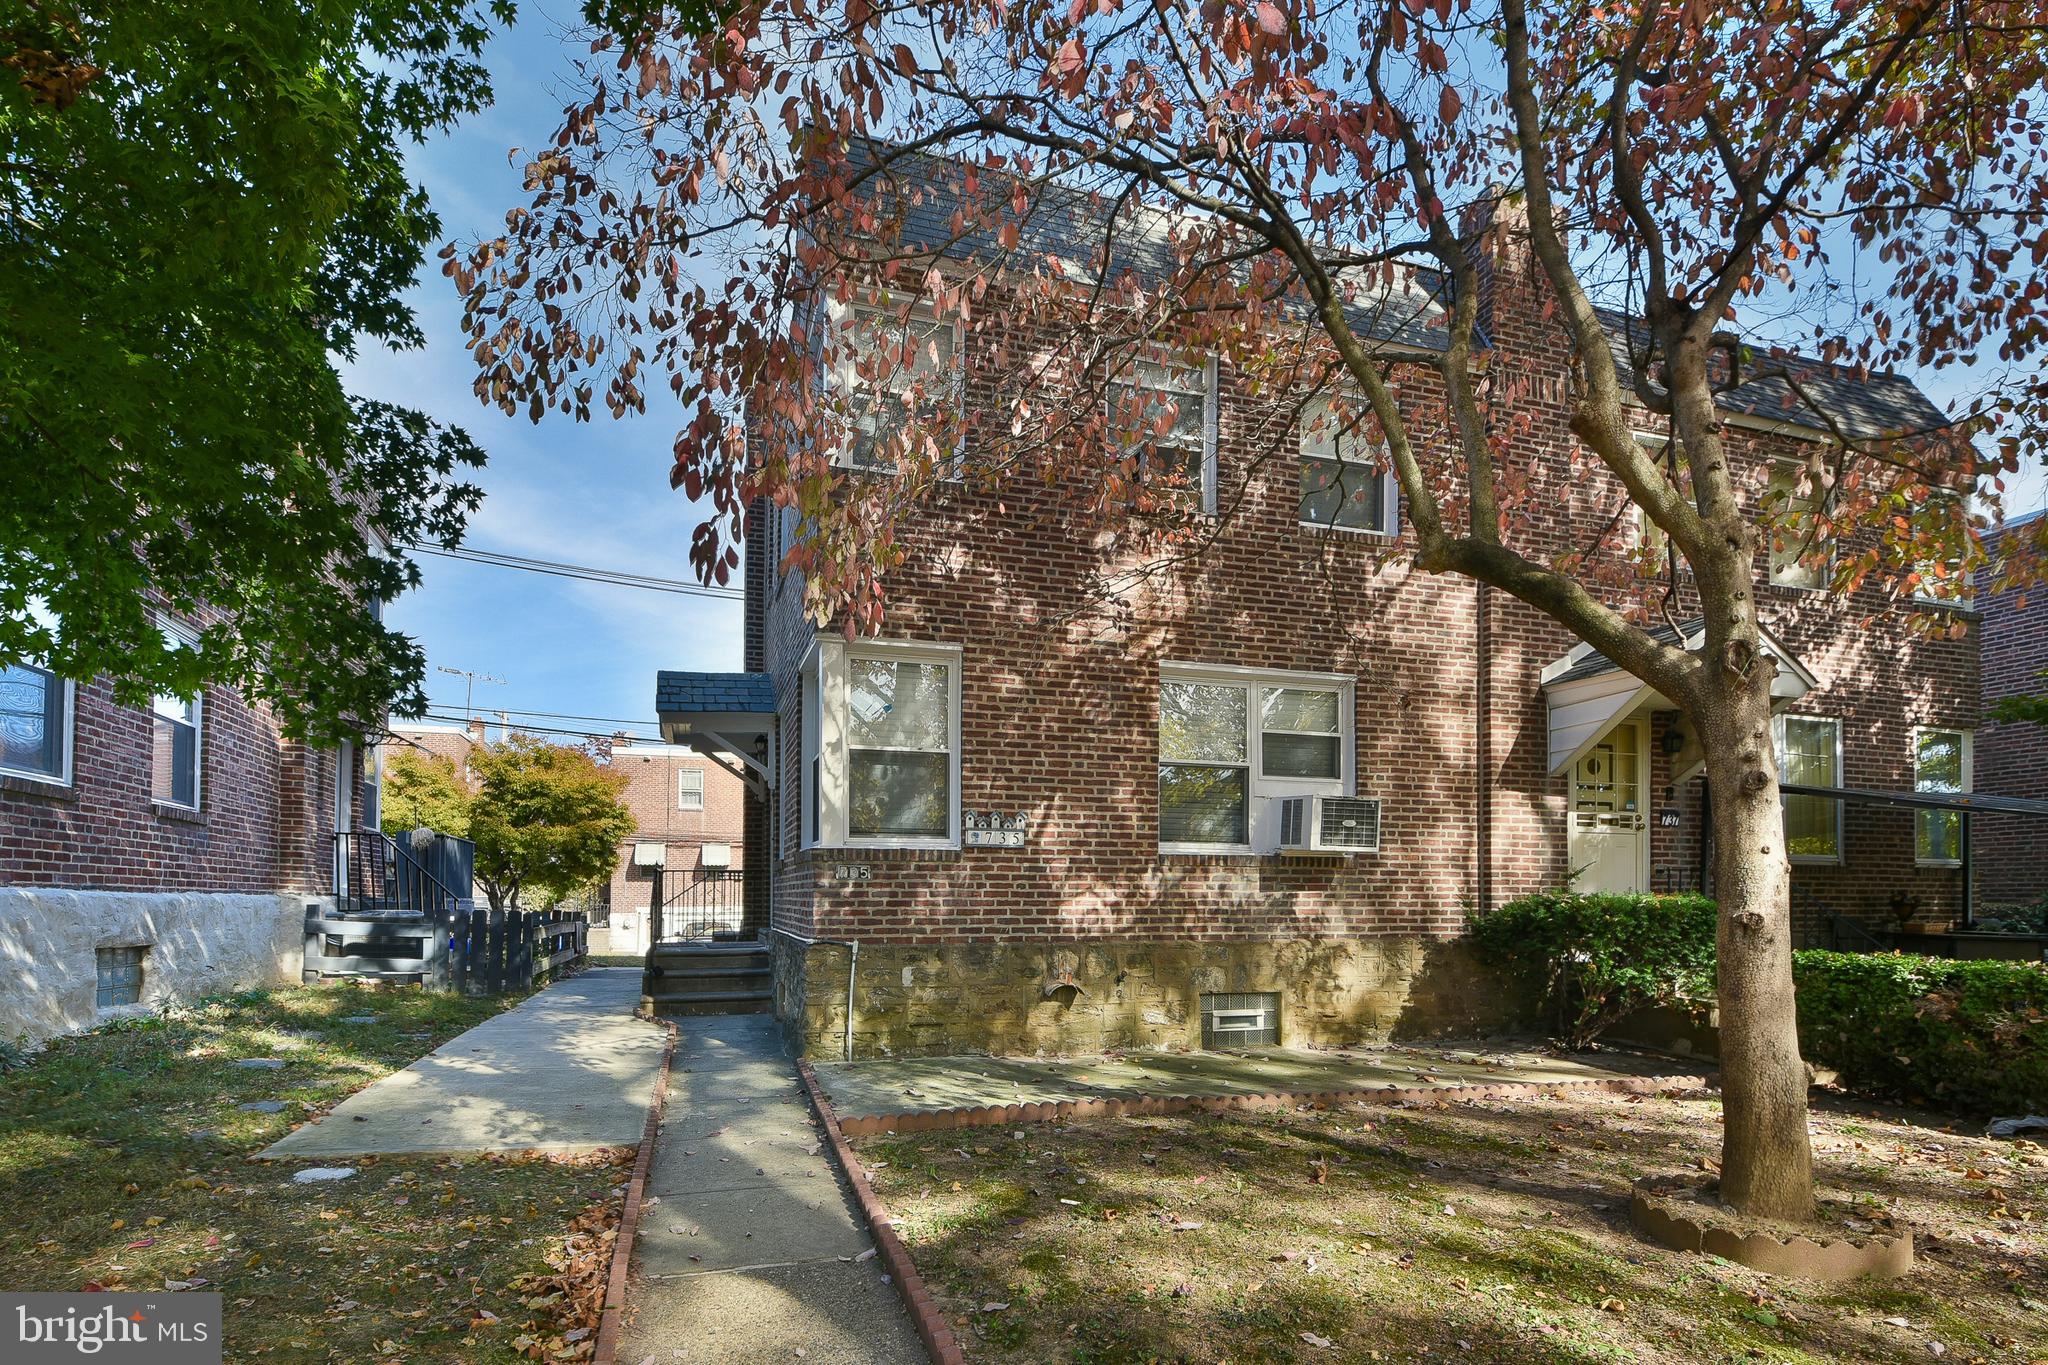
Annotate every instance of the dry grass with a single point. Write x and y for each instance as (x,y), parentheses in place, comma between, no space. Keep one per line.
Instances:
(128,1166)
(1469,1232)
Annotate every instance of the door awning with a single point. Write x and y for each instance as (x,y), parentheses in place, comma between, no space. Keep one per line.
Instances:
(725,716)
(1589,694)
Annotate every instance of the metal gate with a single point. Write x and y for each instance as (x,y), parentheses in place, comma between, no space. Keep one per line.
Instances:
(708,907)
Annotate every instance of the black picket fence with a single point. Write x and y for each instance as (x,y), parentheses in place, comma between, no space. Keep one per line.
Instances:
(474,951)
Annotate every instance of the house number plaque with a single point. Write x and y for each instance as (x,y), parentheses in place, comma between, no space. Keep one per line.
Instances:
(1667,819)
(993,829)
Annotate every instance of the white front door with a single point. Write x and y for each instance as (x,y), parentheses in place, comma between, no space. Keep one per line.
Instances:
(1609,842)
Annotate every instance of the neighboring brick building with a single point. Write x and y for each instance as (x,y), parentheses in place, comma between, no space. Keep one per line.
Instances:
(1143,748)
(153,854)
(2011,757)
(681,800)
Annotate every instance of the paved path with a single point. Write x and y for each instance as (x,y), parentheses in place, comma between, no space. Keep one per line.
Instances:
(749,1248)
(922,1084)
(568,1070)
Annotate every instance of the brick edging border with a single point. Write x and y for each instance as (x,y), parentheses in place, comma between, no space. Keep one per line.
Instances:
(605,1352)
(871,1125)
(924,1313)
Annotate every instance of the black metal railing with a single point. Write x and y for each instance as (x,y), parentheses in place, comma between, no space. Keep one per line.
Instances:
(375,875)
(710,905)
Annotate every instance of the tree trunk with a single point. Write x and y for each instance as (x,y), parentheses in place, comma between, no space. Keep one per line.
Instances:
(1766,1157)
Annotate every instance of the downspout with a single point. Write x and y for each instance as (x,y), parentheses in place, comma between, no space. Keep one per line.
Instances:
(852,965)
(1482,755)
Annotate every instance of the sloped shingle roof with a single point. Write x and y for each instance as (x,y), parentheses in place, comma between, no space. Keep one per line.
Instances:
(713,693)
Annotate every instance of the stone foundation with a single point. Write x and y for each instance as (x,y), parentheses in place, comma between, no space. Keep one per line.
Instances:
(199,944)
(934,999)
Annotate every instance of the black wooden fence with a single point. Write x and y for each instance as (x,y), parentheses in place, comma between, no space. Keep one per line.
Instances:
(474,951)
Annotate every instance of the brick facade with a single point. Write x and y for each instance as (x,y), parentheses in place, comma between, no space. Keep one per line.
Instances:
(1060,707)
(2012,757)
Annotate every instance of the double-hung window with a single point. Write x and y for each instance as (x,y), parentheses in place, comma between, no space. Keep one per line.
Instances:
(1810,755)
(35,717)
(1941,765)
(894,368)
(1168,413)
(1346,484)
(689,789)
(882,745)
(1231,739)
(1790,527)
(175,739)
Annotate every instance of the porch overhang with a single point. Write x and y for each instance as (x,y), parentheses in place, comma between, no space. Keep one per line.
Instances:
(727,717)
(1588,694)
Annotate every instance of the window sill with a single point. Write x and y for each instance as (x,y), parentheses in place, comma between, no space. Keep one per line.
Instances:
(1939,864)
(49,788)
(1951,608)
(1813,860)
(166,810)
(1360,531)
(1209,851)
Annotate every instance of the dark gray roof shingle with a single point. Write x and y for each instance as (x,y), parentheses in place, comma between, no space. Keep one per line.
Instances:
(704,693)
(1596,663)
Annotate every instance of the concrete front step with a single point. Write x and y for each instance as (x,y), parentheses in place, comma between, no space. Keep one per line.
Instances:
(710,1002)
(697,980)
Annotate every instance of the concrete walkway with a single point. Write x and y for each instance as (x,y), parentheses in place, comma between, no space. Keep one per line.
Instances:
(568,1070)
(912,1085)
(749,1249)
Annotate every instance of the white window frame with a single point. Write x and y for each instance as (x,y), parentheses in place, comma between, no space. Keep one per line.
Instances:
(1969,775)
(841,319)
(689,770)
(1262,791)
(182,637)
(1834,723)
(1211,413)
(1790,470)
(68,719)
(1390,485)
(827,771)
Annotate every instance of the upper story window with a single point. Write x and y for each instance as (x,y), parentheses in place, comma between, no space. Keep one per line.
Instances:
(1342,484)
(689,789)
(1795,561)
(893,366)
(175,738)
(1810,755)
(1230,740)
(35,720)
(1173,407)
(882,745)
(1941,764)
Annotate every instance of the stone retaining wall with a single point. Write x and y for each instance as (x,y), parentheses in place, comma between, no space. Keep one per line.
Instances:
(923,999)
(200,943)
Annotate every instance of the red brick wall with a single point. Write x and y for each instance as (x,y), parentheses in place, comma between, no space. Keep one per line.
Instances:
(2012,758)
(265,820)
(1060,697)
(651,795)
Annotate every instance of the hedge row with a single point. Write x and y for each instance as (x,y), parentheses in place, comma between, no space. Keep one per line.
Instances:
(1966,1036)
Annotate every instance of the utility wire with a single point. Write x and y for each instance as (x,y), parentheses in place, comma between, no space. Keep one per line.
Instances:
(543,715)
(538,729)
(617,578)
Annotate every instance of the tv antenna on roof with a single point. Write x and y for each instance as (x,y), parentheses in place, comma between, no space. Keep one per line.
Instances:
(472,677)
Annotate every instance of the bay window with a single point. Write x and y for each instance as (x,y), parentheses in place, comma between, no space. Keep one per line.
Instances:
(1810,755)
(1232,739)
(1170,411)
(882,744)
(1941,765)
(1343,484)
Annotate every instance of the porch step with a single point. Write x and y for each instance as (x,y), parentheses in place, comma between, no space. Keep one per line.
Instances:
(711,1002)
(667,981)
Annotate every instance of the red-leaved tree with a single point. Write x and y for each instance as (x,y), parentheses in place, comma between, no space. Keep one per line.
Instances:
(1298,187)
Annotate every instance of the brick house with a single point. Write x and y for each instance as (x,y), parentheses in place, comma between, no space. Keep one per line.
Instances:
(1054,823)
(2011,756)
(156,854)
(685,805)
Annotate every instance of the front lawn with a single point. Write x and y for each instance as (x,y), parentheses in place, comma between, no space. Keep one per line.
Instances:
(127,1158)
(1469,1232)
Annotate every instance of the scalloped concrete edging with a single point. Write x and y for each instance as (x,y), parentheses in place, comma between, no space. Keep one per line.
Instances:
(925,1316)
(1662,1219)
(606,1351)
(1051,1111)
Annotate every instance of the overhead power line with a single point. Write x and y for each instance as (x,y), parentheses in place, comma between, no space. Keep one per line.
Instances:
(545,715)
(585,572)
(524,728)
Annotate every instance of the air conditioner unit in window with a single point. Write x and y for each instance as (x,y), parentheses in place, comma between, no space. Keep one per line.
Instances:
(1319,826)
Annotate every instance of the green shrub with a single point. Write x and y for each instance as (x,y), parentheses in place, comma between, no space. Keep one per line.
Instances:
(1966,1036)
(1593,958)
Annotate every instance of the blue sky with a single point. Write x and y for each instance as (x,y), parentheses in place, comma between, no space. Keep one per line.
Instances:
(589,493)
